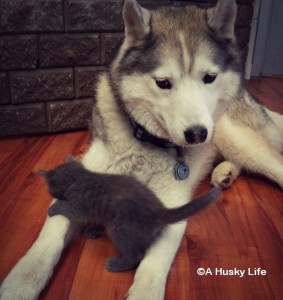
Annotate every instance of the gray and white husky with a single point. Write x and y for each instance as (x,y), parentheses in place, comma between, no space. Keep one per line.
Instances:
(175,75)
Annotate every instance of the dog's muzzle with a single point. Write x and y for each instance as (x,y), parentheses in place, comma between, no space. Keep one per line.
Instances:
(196,134)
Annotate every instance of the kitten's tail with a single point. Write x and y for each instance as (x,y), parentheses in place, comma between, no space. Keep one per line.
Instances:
(174,215)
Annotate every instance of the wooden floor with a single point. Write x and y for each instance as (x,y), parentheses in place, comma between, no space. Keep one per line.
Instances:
(243,231)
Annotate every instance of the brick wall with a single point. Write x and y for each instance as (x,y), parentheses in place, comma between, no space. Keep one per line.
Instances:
(51,52)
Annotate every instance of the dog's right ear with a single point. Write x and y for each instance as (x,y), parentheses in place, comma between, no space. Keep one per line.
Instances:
(137,22)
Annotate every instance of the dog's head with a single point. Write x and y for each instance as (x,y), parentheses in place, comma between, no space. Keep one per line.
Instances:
(177,68)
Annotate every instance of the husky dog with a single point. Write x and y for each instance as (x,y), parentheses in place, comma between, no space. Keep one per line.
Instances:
(133,216)
(175,74)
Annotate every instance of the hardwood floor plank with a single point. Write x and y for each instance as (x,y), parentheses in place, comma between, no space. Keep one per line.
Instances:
(20,159)
(268,90)
(178,285)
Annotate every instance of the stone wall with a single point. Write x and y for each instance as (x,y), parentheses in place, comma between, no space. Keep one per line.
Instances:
(51,52)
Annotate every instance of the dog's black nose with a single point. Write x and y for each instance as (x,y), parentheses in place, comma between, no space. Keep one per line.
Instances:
(196,134)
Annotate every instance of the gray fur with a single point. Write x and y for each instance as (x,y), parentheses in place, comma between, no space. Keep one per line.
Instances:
(133,216)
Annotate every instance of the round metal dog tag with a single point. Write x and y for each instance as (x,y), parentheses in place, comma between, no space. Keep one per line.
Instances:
(181,171)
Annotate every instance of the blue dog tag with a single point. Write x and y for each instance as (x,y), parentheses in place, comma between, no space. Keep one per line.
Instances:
(181,171)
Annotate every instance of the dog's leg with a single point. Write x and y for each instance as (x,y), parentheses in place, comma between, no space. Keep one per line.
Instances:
(249,150)
(30,275)
(150,278)
(225,174)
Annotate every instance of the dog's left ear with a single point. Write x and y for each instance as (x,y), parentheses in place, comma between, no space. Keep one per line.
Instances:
(222,18)
(137,22)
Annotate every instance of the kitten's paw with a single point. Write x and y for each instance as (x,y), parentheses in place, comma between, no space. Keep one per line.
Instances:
(53,210)
(115,264)
(224,174)
(94,232)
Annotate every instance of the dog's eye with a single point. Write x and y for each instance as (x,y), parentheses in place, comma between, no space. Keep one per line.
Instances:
(209,78)
(163,84)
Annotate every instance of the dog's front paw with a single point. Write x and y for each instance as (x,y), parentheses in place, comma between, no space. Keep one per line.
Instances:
(224,174)
(147,285)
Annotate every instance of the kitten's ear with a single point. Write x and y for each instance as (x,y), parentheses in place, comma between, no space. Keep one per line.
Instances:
(41,172)
(70,158)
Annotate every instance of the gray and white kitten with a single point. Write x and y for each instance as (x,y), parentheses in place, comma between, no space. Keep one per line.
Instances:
(132,214)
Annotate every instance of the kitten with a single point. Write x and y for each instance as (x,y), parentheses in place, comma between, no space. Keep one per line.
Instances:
(133,216)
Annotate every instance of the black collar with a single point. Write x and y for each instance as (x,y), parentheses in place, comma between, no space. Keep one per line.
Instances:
(143,135)
(180,171)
